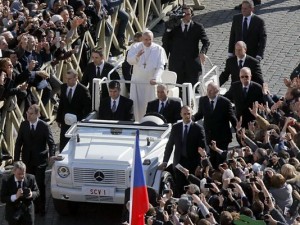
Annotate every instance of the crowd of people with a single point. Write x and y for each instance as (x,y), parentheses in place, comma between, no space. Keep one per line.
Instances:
(257,180)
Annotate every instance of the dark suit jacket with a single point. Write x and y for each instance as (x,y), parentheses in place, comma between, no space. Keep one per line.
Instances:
(80,104)
(90,73)
(184,49)
(124,110)
(195,139)
(9,188)
(216,122)
(242,104)
(33,146)
(232,68)
(256,35)
(171,111)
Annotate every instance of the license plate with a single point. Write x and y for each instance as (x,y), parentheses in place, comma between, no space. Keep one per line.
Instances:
(99,191)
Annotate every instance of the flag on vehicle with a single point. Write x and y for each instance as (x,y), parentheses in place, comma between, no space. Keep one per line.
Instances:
(139,203)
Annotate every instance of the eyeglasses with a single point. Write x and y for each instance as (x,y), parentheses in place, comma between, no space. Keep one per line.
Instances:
(244,76)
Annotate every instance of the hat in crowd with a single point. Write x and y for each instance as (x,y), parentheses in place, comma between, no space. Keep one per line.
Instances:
(256,167)
(194,189)
(56,18)
(227,174)
(184,203)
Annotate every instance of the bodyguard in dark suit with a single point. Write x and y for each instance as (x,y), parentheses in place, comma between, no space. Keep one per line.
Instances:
(33,136)
(243,94)
(98,69)
(115,107)
(182,46)
(251,30)
(217,113)
(168,107)
(75,99)
(19,208)
(186,136)
(241,59)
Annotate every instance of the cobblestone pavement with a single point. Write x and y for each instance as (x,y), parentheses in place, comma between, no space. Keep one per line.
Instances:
(282,18)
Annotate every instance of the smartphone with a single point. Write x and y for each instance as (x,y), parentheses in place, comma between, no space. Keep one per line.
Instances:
(268,199)
(57,34)
(167,191)
(230,161)
(253,179)
(186,188)
(231,186)
(239,159)
(208,185)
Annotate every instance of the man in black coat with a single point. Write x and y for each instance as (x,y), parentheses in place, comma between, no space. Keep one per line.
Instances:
(182,46)
(98,69)
(33,136)
(18,192)
(168,107)
(249,28)
(241,59)
(116,106)
(187,137)
(218,113)
(243,94)
(75,99)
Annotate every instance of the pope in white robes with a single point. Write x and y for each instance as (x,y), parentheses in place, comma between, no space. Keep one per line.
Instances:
(148,60)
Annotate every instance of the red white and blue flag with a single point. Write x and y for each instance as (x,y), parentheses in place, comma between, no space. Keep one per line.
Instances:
(139,203)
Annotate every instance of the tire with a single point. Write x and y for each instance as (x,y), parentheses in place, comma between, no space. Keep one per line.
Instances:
(167,182)
(64,208)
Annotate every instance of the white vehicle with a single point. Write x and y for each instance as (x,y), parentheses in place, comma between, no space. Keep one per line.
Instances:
(95,166)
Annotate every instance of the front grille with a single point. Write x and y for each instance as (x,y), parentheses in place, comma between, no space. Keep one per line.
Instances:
(93,198)
(111,177)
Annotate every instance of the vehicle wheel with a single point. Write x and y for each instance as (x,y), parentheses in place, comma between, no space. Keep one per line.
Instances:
(167,182)
(64,208)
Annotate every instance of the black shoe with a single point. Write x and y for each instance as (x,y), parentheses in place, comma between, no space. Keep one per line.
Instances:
(45,119)
(4,157)
(257,3)
(238,7)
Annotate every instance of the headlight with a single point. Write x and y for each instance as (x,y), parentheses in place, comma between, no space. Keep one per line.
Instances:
(63,171)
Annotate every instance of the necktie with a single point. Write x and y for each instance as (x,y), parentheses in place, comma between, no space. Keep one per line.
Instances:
(98,72)
(212,105)
(245,29)
(162,107)
(245,92)
(185,30)
(32,130)
(19,184)
(114,107)
(70,95)
(32,127)
(240,64)
(184,140)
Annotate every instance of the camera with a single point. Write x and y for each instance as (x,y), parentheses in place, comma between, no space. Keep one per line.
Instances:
(253,179)
(186,188)
(208,185)
(26,192)
(175,17)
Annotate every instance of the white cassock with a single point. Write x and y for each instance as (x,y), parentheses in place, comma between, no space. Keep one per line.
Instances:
(148,66)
